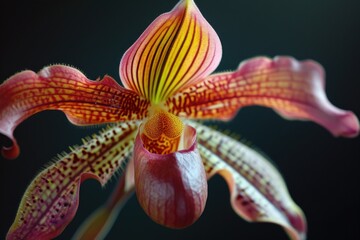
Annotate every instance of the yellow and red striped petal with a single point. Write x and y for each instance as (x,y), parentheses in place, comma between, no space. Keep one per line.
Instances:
(101,221)
(177,50)
(65,88)
(292,88)
(258,192)
(51,200)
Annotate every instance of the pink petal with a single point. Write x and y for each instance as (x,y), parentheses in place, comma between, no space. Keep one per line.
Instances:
(258,192)
(64,88)
(294,89)
(178,49)
(52,199)
(171,188)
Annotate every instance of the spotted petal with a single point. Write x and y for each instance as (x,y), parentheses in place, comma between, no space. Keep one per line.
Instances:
(258,192)
(64,88)
(97,226)
(293,89)
(51,200)
(178,49)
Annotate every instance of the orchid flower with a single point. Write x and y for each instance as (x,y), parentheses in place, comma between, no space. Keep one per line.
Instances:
(168,85)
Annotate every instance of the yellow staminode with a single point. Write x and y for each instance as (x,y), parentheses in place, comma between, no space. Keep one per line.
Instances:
(162,132)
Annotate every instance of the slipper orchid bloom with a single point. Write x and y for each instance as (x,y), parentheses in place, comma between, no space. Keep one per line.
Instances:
(167,85)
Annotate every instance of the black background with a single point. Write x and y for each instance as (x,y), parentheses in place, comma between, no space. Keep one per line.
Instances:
(322,172)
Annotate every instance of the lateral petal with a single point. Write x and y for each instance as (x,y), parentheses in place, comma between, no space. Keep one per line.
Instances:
(258,192)
(100,222)
(178,49)
(296,90)
(51,200)
(65,88)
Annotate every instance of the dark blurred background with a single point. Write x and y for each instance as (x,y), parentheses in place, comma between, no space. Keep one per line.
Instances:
(322,172)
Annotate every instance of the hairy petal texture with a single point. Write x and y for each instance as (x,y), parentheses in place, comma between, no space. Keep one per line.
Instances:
(98,225)
(178,49)
(258,192)
(51,200)
(65,88)
(294,89)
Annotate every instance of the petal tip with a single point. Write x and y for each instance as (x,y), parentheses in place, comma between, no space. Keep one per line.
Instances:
(348,125)
(298,229)
(10,152)
(13,150)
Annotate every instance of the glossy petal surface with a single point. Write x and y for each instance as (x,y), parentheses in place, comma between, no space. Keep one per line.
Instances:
(258,192)
(294,89)
(171,188)
(178,49)
(51,200)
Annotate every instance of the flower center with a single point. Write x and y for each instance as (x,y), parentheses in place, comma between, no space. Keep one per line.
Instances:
(161,133)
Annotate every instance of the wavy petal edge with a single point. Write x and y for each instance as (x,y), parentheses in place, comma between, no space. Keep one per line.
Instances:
(51,200)
(295,89)
(59,87)
(257,191)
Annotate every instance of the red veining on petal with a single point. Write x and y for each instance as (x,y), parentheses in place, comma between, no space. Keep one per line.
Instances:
(258,192)
(161,133)
(177,50)
(100,222)
(171,188)
(64,88)
(51,200)
(294,89)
